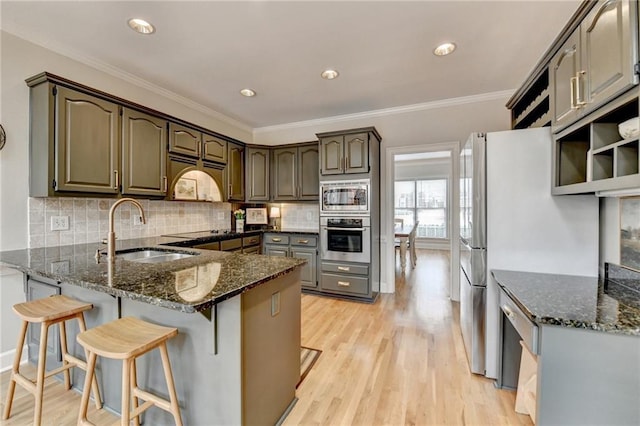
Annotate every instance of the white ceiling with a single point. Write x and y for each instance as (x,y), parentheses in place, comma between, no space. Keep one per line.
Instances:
(207,51)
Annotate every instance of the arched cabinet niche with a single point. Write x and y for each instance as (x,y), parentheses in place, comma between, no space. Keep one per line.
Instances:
(195,181)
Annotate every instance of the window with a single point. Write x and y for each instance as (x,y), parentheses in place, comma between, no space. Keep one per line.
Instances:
(425,201)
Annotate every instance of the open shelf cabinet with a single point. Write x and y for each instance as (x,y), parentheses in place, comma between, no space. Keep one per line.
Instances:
(592,156)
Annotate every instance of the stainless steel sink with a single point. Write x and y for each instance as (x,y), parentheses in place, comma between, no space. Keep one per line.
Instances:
(146,255)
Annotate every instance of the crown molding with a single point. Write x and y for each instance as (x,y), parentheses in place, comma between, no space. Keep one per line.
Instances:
(444,103)
(60,49)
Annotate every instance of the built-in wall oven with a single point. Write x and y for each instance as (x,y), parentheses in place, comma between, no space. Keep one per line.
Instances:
(346,239)
(345,197)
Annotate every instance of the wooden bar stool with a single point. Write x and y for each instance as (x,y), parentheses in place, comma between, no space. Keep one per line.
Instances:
(47,311)
(126,339)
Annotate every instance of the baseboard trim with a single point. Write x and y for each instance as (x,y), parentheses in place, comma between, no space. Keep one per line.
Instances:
(6,359)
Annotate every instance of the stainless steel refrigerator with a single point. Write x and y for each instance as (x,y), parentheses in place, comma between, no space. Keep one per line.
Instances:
(510,220)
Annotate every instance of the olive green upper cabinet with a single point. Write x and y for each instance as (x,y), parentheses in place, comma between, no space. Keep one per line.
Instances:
(86,143)
(144,153)
(597,62)
(342,154)
(187,141)
(296,173)
(609,36)
(257,173)
(235,172)
(74,141)
(309,172)
(214,149)
(184,140)
(563,69)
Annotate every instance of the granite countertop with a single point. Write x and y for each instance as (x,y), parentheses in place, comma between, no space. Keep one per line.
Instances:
(610,305)
(188,285)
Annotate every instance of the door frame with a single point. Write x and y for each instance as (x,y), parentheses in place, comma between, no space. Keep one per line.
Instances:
(388,285)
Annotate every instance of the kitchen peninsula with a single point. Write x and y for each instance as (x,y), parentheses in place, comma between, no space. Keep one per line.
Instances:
(238,318)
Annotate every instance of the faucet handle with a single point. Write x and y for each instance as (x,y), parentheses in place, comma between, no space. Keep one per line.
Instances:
(105,241)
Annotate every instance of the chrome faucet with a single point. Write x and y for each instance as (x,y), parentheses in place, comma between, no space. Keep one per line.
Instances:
(111,238)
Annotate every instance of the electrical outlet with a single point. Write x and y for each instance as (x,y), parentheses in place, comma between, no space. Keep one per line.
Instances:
(60,267)
(275,304)
(59,223)
(137,220)
(221,215)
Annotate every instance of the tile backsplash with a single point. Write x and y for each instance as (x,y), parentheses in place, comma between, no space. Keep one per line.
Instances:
(88,219)
(300,216)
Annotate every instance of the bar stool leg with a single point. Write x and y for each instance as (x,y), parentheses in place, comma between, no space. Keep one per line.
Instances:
(168,374)
(134,386)
(94,384)
(84,401)
(63,346)
(126,392)
(42,360)
(14,371)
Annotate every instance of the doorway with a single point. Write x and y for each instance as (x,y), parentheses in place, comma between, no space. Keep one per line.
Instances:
(415,177)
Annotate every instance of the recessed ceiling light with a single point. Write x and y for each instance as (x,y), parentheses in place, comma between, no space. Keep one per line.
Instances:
(141,26)
(329,74)
(247,92)
(444,49)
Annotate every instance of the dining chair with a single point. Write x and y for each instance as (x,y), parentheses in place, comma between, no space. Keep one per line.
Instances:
(398,221)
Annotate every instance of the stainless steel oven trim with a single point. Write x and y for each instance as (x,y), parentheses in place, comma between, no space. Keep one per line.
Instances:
(363,257)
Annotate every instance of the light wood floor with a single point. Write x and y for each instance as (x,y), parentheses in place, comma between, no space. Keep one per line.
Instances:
(400,361)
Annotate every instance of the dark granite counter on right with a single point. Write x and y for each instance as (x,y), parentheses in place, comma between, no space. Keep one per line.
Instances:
(611,305)
(584,335)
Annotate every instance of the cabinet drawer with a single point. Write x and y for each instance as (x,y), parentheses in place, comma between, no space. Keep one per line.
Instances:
(251,250)
(230,245)
(276,239)
(303,241)
(527,330)
(345,268)
(208,246)
(251,241)
(345,283)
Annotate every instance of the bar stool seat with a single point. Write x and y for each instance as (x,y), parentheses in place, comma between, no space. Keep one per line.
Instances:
(47,311)
(126,339)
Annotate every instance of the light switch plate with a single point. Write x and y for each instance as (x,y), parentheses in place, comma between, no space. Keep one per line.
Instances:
(220,215)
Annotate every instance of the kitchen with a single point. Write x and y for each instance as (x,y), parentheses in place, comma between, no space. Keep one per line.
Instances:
(442,122)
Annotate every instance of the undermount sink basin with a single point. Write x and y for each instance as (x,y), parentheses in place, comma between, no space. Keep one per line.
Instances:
(152,256)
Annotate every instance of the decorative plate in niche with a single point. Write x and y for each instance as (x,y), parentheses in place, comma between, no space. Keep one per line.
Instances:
(630,232)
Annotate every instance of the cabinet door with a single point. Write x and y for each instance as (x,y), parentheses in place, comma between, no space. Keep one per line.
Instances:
(235,172)
(276,251)
(308,173)
(144,154)
(331,155)
(285,185)
(356,153)
(184,140)
(563,73)
(610,50)
(216,171)
(87,141)
(310,269)
(214,149)
(257,174)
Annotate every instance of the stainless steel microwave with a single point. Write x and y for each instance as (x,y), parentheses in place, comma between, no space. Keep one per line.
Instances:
(345,196)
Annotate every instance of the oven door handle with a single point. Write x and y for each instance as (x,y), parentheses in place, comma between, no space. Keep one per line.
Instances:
(345,229)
